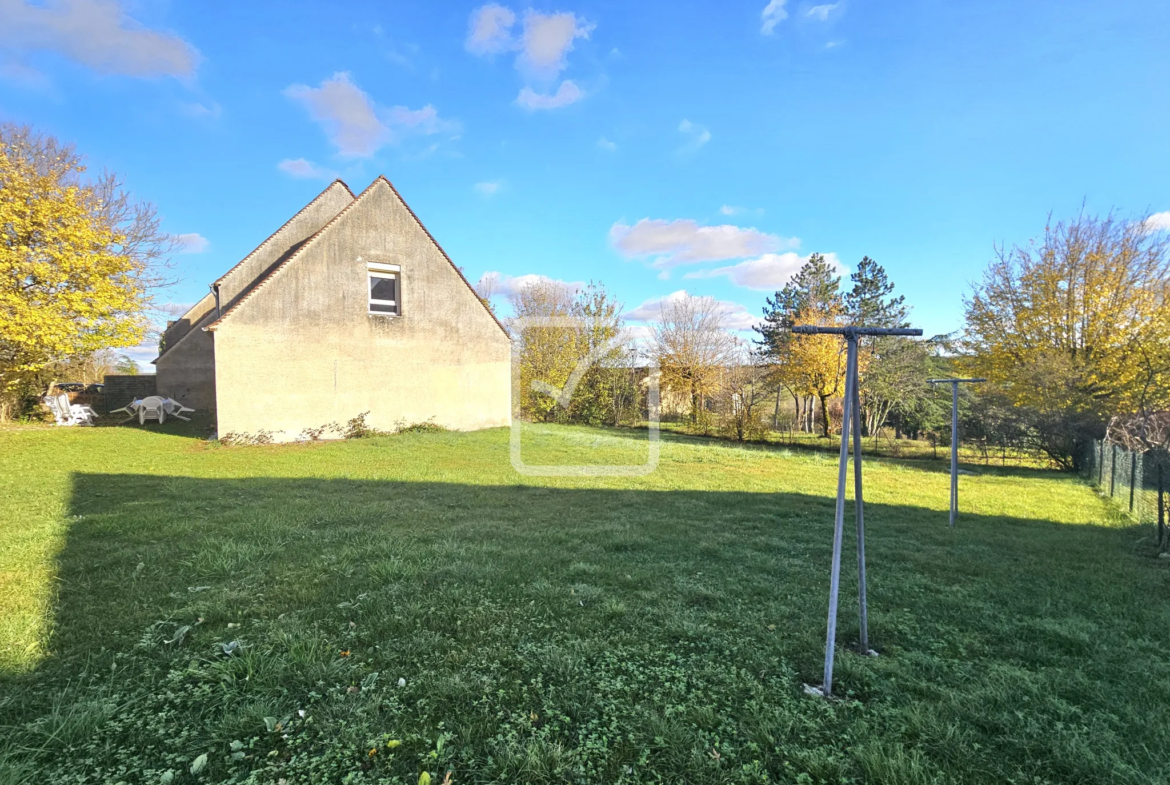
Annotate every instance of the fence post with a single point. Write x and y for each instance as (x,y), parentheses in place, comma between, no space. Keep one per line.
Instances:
(1112,470)
(1101,463)
(1161,509)
(1133,462)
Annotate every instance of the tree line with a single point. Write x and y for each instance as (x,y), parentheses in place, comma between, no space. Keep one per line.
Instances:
(1072,332)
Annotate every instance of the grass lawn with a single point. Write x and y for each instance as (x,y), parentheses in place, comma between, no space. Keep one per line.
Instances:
(410,604)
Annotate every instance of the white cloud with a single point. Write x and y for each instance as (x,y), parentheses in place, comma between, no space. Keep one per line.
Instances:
(548,39)
(1158,222)
(192,243)
(683,241)
(606,145)
(767,273)
(543,47)
(496,284)
(697,136)
(544,43)
(305,170)
(142,355)
(489,188)
(567,93)
(733,316)
(355,124)
(425,121)
(773,14)
(821,13)
(729,210)
(95,33)
(490,30)
(346,112)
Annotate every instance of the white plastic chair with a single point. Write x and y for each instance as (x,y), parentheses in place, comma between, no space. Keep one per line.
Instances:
(83,414)
(130,409)
(62,417)
(66,413)
(153,407)
(176,409)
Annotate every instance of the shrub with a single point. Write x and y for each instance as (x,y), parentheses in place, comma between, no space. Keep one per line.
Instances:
(430,426)
(358,428)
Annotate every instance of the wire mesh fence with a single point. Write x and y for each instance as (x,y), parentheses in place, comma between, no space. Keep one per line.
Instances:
(1137,482)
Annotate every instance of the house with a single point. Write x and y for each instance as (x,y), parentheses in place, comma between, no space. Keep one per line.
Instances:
(350,307)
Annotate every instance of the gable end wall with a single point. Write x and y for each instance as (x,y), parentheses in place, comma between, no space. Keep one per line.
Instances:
(302,350)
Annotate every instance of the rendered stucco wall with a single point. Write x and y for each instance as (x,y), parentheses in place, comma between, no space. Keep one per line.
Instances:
(186,370)
(302,350)
(239,280)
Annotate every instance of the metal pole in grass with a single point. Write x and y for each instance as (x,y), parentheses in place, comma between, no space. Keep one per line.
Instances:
(1161,509)
(1112,470)
(1133,462)
(954,383)
(858,502)
(850,416)
(1100,463)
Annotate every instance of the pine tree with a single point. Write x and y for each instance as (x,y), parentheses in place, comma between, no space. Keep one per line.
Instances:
(813,287)
(871,302)
(895,367)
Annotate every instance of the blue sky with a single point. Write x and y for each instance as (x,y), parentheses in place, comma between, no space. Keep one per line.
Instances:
(656,147)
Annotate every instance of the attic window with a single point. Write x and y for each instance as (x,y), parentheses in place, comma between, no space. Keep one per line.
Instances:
(385,289)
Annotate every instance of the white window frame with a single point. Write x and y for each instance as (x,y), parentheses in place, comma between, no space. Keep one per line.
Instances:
(393,272)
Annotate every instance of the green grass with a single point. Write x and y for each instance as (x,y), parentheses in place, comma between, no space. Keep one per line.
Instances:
(585,630)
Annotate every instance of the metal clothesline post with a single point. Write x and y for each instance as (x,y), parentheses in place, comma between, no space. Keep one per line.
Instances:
(850,423)
(858,503)
(954,383)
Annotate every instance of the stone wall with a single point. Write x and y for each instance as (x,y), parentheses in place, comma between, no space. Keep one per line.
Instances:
(123,388)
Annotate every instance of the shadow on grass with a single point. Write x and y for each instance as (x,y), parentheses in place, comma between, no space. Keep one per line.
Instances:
(552,634)
(201,425)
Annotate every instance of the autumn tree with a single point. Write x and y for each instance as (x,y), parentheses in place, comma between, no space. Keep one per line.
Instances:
(742,389)
(815,287)
(693,350)
(575,356)
(1075,326)
(817,362)
(78,258)
(551,345)
(608,389)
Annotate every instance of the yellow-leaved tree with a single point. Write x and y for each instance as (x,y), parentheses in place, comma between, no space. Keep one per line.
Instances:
(1075,328)
(78,258)
(815,364)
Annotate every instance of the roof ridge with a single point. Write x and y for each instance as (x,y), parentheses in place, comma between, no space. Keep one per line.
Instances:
(431,237)
(308,242)
(194,329)
(268,239)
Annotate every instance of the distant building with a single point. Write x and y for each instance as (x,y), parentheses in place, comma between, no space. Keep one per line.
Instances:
(349,307)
